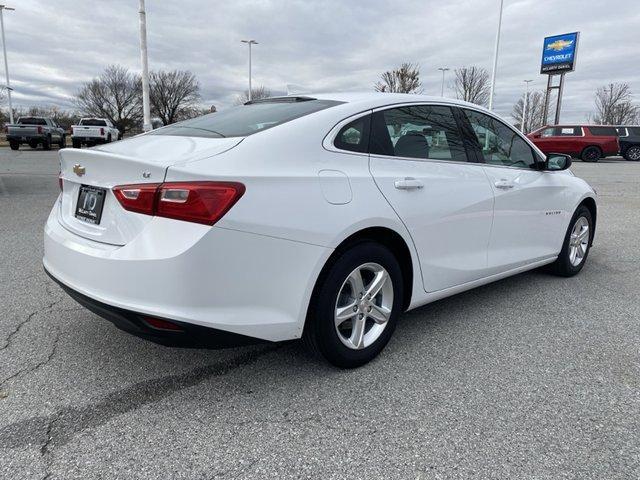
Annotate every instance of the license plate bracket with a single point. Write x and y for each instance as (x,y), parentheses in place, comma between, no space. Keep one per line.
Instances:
(90,204)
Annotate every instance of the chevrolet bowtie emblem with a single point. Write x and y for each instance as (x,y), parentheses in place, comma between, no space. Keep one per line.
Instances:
(78,169)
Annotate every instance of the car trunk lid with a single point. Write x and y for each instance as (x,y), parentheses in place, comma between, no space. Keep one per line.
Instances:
(142,159)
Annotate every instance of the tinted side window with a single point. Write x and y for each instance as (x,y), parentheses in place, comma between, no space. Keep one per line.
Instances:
(622,131)
(424,132)
(635,131)
(603,131)
(568,131)
(500,145)
(354,136)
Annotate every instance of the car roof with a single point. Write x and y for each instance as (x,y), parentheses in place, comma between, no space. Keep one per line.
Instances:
(369,100)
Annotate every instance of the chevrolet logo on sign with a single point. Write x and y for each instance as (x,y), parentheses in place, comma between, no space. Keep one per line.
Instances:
(559,45)
(79,169)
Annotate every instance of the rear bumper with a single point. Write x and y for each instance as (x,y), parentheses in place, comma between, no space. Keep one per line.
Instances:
(213,277)
(89,139)
(26,138)
(189,335)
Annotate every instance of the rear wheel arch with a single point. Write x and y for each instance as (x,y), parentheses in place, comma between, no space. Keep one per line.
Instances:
(386,237)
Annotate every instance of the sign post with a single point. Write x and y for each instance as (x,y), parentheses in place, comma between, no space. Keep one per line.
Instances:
(558,57)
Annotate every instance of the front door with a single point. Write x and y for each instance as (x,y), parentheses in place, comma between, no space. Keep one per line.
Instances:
(420,165)
(528,218)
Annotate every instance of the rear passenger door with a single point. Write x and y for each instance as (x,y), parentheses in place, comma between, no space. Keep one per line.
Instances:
(420,164)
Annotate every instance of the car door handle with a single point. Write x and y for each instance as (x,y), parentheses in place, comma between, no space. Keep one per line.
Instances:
(504,184)
(408,183)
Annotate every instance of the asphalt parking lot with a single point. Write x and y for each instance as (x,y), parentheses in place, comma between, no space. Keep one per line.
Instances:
(533,377)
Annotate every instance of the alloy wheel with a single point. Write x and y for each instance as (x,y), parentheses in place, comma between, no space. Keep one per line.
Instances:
(364,305)
(579,241)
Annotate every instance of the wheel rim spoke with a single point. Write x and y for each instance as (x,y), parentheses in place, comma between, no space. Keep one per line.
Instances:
(379,314)
(376,285)
(357,332)
(345,313)
(356,282)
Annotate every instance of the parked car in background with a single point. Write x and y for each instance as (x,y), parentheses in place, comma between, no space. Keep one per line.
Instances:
(320,217)
(93,131)
(629,138)
(35,131)
(588,142)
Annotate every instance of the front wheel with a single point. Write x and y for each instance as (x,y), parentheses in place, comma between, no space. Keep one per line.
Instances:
(355,306)
(46,143)
(576,246)
(14,145)
(632,154)
(591,154)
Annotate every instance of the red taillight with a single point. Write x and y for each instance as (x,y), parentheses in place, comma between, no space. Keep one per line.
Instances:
(102,131)
(198,202)
(39,129)
(138,198)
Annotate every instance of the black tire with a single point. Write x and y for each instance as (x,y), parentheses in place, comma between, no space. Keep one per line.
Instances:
(109,138)
(33,144)
(633,153)
(76,143)
(320,333)
(46,143)
(63,141)
(591,154)
(563,266)
(14,145)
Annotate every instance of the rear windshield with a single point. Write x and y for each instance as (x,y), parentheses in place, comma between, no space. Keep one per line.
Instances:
(604,131)
(245,120)
(93,122)
(32,121)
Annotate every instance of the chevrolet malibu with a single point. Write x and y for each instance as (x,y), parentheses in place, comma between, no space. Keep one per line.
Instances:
(320,217)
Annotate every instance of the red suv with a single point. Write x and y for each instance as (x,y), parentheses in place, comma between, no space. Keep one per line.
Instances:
(589,142)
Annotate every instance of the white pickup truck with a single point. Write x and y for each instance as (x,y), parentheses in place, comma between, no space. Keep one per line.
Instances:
(91,131)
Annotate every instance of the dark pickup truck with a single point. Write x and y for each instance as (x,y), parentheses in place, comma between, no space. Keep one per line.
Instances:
(34,131)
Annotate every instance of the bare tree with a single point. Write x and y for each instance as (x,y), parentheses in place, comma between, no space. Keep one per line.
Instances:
(116,94)
(256,94)
(174,95)
(472,85)
(535,111)
(614,105)
(405,79)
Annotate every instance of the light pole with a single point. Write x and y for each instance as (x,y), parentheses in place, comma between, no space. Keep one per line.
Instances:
(495,58)
(524,108)
(443,69)
(6,64)
(249,42)
(146,109)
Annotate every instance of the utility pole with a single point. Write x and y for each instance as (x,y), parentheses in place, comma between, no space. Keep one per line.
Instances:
(146,108)
(442,69)
(6,63)
(523,127)
(250,42)
(495,58)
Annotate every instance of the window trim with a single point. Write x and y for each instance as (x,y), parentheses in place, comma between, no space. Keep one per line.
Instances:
(328,142)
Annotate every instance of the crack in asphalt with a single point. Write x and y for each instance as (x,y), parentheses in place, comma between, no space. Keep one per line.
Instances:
(60,427)
(49,307)
(26,370)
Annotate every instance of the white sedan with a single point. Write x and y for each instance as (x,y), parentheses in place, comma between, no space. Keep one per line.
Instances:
(320,217)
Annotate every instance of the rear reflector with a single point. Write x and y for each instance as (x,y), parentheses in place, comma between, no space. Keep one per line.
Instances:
(198,202)
(160,324)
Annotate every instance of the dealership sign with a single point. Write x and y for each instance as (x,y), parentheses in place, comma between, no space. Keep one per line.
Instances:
(559,53)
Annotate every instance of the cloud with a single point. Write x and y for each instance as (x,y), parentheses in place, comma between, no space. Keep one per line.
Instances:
(325,45)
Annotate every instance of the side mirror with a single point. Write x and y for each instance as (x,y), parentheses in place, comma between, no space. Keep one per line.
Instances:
(537,135)
(557,161)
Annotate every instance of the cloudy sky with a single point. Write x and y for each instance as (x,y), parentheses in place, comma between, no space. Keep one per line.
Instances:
(319,45)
